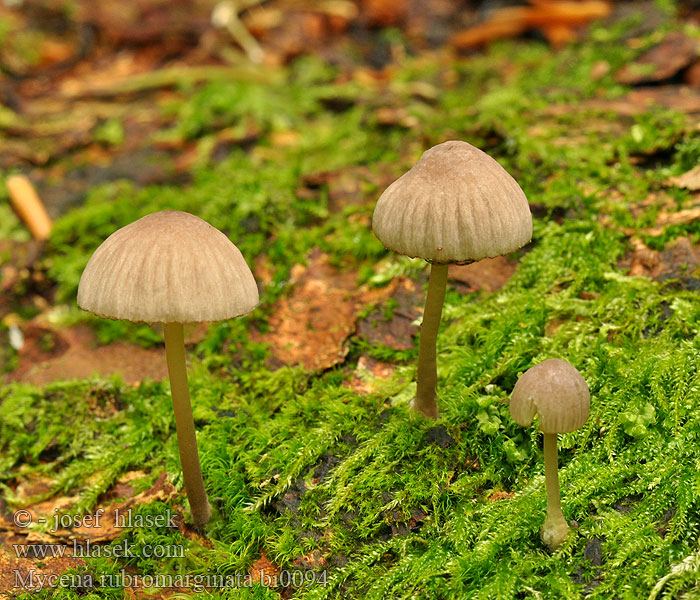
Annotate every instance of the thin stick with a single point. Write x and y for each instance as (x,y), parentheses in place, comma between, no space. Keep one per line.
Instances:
(555,527)
(28,207)
(427,359)
(186,438)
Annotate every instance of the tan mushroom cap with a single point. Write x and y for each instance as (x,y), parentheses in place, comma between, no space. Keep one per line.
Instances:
(457,204)
(555,391)
(168,267)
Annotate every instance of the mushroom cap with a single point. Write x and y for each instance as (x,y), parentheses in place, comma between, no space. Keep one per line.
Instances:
(168,267)
(457,204)
(555,391)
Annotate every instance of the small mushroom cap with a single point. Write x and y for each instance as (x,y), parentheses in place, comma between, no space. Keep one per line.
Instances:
(168,267)
(457,204)
(555,391)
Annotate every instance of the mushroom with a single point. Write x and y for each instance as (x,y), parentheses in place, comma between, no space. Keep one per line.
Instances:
(171,267)
(558,393)
(456,205)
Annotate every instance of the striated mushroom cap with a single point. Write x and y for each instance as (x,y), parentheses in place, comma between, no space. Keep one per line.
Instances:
(457,204)
(556,392)
(168,267)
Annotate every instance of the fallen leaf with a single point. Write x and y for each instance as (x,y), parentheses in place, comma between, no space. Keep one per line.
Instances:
(122,488)
(391,116)
(110,527)
(264,269)
(310,326)
(369,375)
(680,217)
(680,261)
(52,354)
(348,186)
(675,52)
(501,25)
(689,180)
(600,69)
(642,260)
(681,98)
(489,274)
(263,570)
(692,75)
(556,18)
(172,23)
(40,569)
(501,495)
(383,13)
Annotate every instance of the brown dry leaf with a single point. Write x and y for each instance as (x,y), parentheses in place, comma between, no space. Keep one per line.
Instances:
(692,75)
(681,98)
(501,495)
(664,218)
(391,116)
(49,355)
(169,23)
(122,488)
(689,180)
(505,22)
(680,260)
(660,62)
(311,325)
(556,18)
(397,331)
(489,274)
(347,186)
(107,528)
(264,270)
(369,375)
(642,260)
(298,29)
(34,485)
(263,570)
(12,567)
(102,529)
(383,13)
(680,217)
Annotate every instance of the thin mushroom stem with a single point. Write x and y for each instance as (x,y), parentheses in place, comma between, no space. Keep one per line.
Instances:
(555,527)
(186,438)
(427,359)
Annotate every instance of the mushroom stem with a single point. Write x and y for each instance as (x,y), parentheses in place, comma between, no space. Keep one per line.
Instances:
(555,528)
(186,438)
(427,359)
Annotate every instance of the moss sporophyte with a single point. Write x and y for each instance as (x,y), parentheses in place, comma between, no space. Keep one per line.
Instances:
(171,267)
(456,205)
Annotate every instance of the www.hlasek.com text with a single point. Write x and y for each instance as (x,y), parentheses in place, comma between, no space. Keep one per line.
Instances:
(87,549)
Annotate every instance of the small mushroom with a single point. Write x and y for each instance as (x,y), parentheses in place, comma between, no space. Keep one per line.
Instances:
(171,267)
(558,394)
(456,205)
